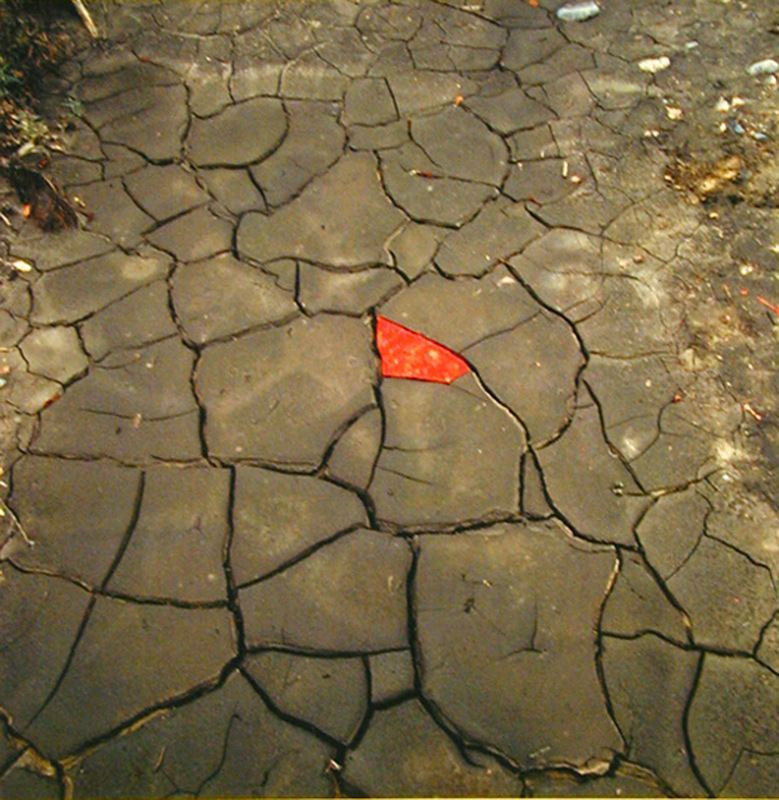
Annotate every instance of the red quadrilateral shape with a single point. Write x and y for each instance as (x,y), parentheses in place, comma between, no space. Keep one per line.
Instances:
(407,354)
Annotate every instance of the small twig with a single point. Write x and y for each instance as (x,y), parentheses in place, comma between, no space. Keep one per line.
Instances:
(768,304)
(86,18)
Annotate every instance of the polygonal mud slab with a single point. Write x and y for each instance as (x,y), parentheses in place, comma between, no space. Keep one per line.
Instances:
(499,231)
(353,459)
(526,47)
(539,182)
(414,247)
(632,393)
(677,458)
(426,193)
(509,111)
(639,603)
(649,683)
(392,675)
(25,784)
(536,143)
(568,59)
(589,485)
(151,119)
(450,454)
(114,213)
(368,101)
(768,651)
(670,530)
(130,658)
(744,526)
(461,145)
(126,73)
(12,329)
(404,753)
(732,726)
(78,513)
(67,247)
(209,92)
(533,369)
(222,744)
(25,391)
(196,235)
(39,620)
(222,296)
(728,597)
(136,406)
(346,597)
(164,192)
(241,134)
(314,142)
(278,518)
(422,90)
(508,614)
(345,292)
(461,313)
(176,550)
(55,353)
(535,504)
(234,189)
(280,396)
(310,78)
(329,693)
(75,292)
(141,317)
(341,219)
(381,137)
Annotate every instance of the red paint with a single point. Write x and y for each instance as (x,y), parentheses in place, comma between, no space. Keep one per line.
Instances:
(408,354)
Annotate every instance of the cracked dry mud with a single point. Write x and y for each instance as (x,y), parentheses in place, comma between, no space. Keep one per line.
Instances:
(258,567)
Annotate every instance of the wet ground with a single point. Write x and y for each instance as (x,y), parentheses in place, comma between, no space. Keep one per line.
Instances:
(403,418)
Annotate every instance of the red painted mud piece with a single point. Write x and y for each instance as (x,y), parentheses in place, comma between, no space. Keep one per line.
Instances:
(407,354)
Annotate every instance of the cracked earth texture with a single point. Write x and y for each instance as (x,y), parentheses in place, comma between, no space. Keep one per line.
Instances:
(258,567)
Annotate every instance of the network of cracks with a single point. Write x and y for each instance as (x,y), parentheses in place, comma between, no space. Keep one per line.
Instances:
(250,555)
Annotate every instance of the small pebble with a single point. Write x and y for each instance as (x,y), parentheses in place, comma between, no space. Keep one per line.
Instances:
(578,12)
(21,266)
(3,382)
(722,105)
(674,113)
(758,136)
(768,66)
(735,126)
(654,65)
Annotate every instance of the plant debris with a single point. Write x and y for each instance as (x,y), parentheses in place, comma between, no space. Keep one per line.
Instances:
(32,43)
(42,200)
